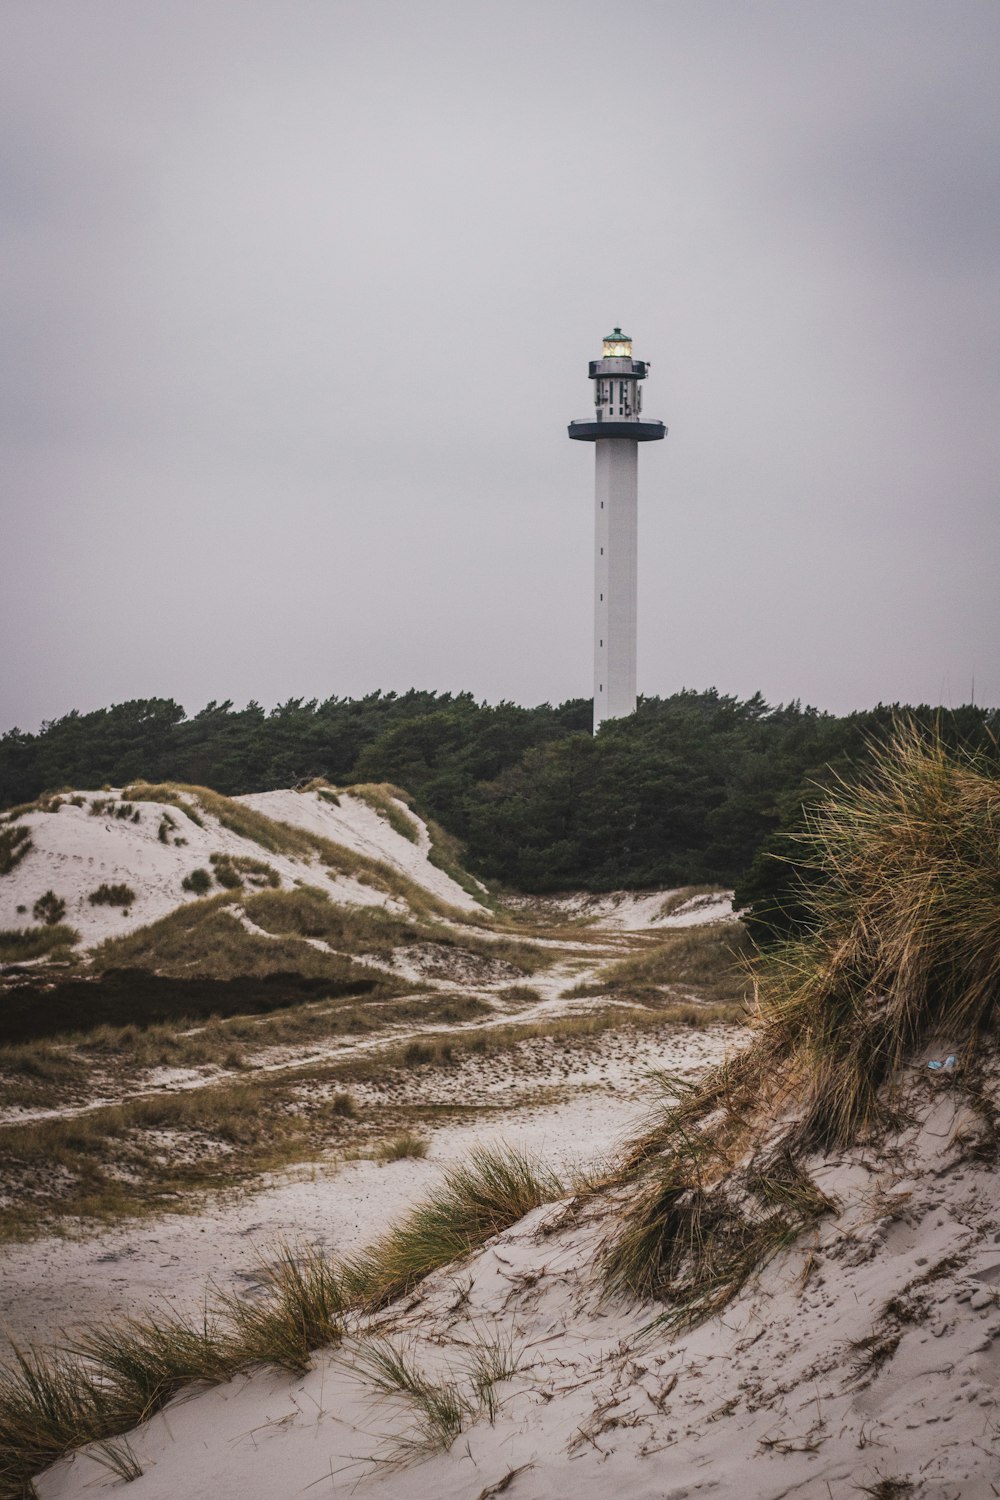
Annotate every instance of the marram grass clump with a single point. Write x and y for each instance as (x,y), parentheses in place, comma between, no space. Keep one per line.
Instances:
(905,931)
(903,948)
(116,1376)
(480,1198)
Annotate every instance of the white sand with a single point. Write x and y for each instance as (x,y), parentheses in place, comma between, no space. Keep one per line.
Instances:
(636,911)
(74,852)
(357,825)
(53,1285)
(769,1400)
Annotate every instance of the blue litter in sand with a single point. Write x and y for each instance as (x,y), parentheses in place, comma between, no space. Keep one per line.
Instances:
(947,1066)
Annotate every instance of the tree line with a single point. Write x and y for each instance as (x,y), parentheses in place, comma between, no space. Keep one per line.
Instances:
(698,787)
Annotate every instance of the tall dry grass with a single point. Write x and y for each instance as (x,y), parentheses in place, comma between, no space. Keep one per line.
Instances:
(904,947)
(112,1378)
(495,1188)
(707,962)
(905,930)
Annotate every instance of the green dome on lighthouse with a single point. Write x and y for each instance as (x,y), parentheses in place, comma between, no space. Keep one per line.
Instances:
(617,345)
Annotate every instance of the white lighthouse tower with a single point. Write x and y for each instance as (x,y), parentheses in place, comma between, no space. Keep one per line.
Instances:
(617,429)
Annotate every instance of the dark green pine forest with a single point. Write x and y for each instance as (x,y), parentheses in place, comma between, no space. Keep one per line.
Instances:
(695,788)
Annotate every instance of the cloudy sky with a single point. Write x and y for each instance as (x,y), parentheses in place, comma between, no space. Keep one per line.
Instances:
(298,298)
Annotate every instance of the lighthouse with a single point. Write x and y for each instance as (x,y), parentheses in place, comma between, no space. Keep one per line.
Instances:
(616,429)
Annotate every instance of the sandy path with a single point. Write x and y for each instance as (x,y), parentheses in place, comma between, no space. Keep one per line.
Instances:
(552,986)
(56,1283)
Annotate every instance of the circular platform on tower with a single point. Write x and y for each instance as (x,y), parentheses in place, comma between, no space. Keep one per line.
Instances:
(637,432)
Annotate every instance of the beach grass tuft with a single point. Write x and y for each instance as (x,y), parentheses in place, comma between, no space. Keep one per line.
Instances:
(15,843)
(441,1407)
(401,1147)
(21,944)
(116,1376)
(492,1190)
(301,1309)
(112,895)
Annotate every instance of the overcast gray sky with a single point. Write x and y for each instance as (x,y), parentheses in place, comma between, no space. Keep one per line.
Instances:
(298,298)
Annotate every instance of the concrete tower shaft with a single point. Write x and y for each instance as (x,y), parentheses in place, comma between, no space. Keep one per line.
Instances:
(616,561)
(617,429)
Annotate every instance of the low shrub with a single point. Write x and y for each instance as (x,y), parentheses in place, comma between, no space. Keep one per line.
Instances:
(112,895)
(14,845)
(225,873)
(49,908)
(399,1147)
(416,1053)
(232,870)
(19,944)
(525,992)
(199,882)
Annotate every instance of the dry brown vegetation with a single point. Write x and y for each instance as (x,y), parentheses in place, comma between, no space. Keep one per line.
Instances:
(20,944)
(162,1152)
(386,800)
(207,937)
(15,843)
(905,946)
(115,1377)
(225,1131)
(708,962)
